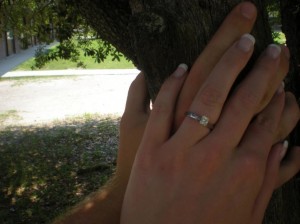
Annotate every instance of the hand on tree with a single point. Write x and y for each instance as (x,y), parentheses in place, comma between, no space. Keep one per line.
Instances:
(238,22)
(223,175)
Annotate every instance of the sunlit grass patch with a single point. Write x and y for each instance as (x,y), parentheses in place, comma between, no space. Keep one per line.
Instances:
(9,115)
(46,169)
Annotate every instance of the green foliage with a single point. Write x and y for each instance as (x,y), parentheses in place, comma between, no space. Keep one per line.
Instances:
(42,57)
(41,19)
(101,52)
(70,50)
(273,8)
(38,18)
(279,37)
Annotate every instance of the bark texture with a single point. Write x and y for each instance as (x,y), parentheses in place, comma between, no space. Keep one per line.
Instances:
(167,33)
(157,35)
(290,11)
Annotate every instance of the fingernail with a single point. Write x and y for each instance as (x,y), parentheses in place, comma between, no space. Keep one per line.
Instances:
(286,51)
(273,51)
(281,88)
(246,42)
(181,70)
(248,10)
(284,148)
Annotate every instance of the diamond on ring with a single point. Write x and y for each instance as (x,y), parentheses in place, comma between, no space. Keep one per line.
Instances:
(203,120)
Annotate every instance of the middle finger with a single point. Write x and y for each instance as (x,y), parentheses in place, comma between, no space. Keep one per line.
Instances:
(249,95)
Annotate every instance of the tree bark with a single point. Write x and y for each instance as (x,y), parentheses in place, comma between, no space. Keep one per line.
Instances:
(290,11)
(177,31)
(157,35)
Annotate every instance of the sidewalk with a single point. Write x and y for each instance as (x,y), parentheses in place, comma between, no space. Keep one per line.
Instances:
(72,72)
(9,63)
(35,101)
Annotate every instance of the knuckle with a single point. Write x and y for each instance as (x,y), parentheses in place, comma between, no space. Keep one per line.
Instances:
(161,108)
(267,123)
(164,101)
(211,96)
(248,99)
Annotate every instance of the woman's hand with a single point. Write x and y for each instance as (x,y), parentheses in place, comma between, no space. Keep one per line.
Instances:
(134,120)
(135,117)
(224,175)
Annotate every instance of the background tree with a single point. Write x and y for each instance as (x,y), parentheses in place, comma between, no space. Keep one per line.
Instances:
(35,21)
(157,35)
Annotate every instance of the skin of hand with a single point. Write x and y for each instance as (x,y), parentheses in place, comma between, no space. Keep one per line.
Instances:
(133,123)
(199,175)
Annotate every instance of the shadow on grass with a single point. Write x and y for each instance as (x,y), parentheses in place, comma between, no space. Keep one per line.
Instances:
(45,170)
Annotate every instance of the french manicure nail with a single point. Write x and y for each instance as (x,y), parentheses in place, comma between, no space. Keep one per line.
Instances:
(284,148)
(246,42)
(281,88)
(181,70)
(248,10)
(273,51)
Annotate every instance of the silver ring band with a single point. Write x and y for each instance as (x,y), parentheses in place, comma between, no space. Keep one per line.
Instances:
(202,119)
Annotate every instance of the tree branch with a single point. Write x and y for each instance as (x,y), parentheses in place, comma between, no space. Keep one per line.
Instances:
(110,18)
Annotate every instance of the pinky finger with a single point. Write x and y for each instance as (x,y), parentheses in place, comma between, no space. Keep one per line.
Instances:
(160,121)
(289,167)
(269,182)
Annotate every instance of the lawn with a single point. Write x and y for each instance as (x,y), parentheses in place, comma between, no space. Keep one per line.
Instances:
(89,62)
(46,169)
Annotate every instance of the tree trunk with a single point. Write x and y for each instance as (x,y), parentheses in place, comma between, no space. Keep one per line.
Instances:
(157,35)
(6,43)
(290,11)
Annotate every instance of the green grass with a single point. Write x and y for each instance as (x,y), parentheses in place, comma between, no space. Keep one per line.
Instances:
(88,61)
(44,170)
(7,115)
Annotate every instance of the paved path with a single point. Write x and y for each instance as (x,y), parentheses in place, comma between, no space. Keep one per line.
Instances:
(70,93)
(71,72)
(44,100)
(13,61)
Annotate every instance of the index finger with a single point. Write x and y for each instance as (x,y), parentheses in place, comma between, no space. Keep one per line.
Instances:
(240,21)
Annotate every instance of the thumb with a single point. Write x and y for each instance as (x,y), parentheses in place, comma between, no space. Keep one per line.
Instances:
(138,99)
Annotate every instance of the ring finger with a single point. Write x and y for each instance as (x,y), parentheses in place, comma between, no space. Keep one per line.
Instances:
(211,97)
